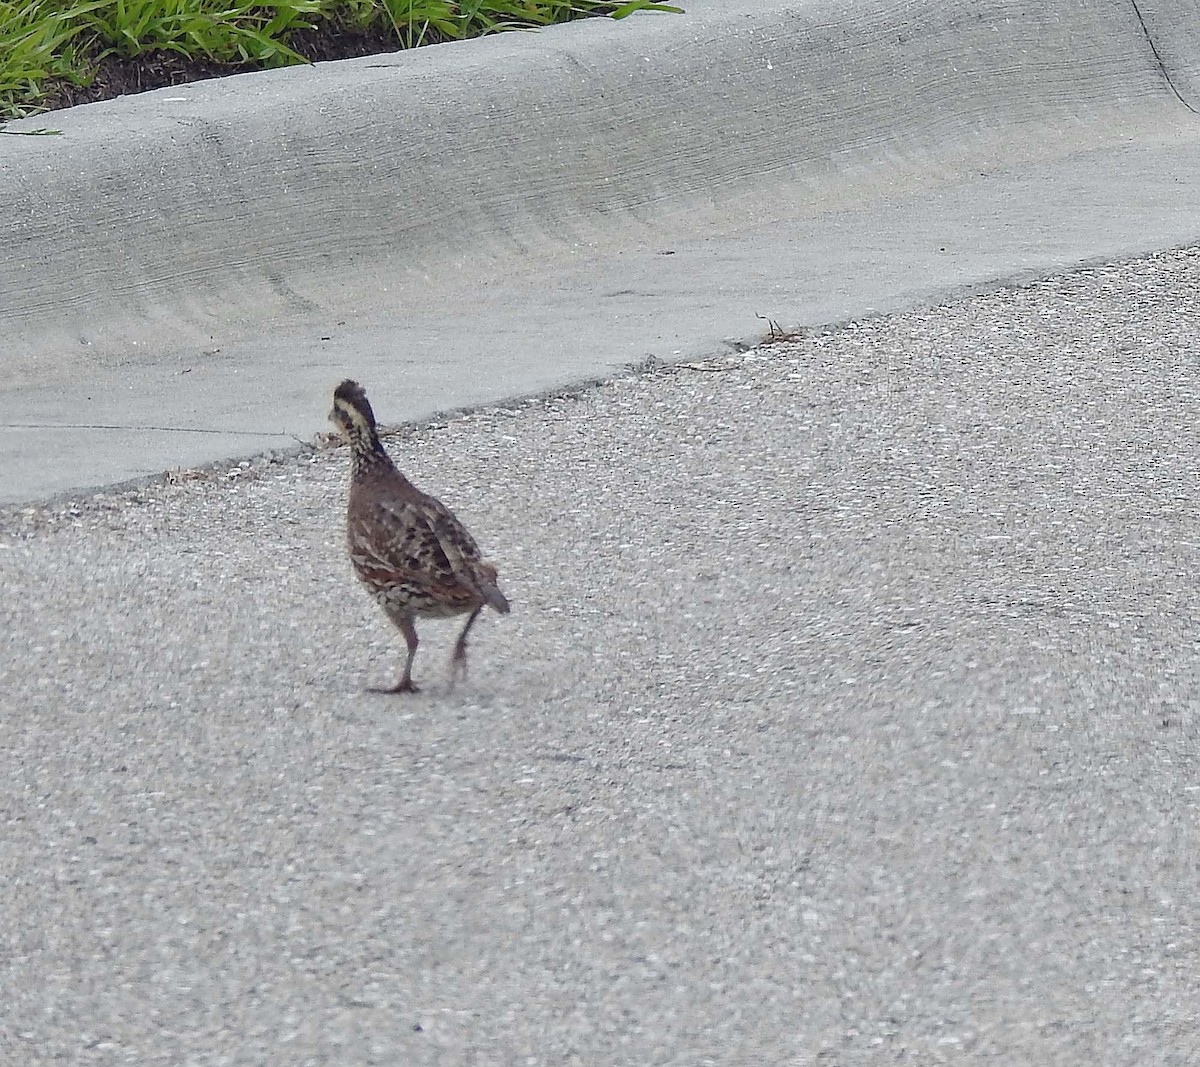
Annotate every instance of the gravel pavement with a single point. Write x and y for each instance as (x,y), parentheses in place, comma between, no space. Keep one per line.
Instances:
(847,713)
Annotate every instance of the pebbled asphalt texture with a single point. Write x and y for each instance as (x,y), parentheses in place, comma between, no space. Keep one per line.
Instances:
(848,712)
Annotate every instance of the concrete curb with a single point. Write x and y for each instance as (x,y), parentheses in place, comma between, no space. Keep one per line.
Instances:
(159,229)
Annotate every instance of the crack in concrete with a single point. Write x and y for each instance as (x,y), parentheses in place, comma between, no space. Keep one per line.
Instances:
(1162,65)
(159,429)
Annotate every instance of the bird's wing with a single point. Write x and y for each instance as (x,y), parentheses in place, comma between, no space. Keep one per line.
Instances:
(393,547)
(462,555)
(423,535)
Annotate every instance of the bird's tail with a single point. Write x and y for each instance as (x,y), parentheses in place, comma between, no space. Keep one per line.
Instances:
(490,591)
(496,599)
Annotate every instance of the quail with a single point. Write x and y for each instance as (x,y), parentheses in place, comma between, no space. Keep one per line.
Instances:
(415,558)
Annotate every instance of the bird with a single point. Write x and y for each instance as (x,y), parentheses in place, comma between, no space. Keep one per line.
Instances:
(416,559)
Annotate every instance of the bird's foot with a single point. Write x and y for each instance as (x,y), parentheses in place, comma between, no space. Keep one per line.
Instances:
(405,685)
(458,665)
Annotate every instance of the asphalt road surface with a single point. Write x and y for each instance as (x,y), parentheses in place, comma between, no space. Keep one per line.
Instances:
(847,713)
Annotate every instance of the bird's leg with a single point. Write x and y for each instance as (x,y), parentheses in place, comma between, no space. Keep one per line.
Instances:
(458,661)
(405,685)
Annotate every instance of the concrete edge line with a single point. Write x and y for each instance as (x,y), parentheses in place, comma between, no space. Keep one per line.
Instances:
(213,469)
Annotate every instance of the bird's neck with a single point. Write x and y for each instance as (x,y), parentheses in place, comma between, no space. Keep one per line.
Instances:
(366,452)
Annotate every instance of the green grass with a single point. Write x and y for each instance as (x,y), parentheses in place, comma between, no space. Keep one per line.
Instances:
(44,43)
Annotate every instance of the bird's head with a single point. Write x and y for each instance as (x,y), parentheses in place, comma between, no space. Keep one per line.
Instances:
(352,415)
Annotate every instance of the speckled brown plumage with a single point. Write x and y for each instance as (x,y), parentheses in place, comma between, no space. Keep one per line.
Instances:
(415,558)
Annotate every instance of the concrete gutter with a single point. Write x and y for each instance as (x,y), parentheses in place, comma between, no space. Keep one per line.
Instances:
(184,274)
